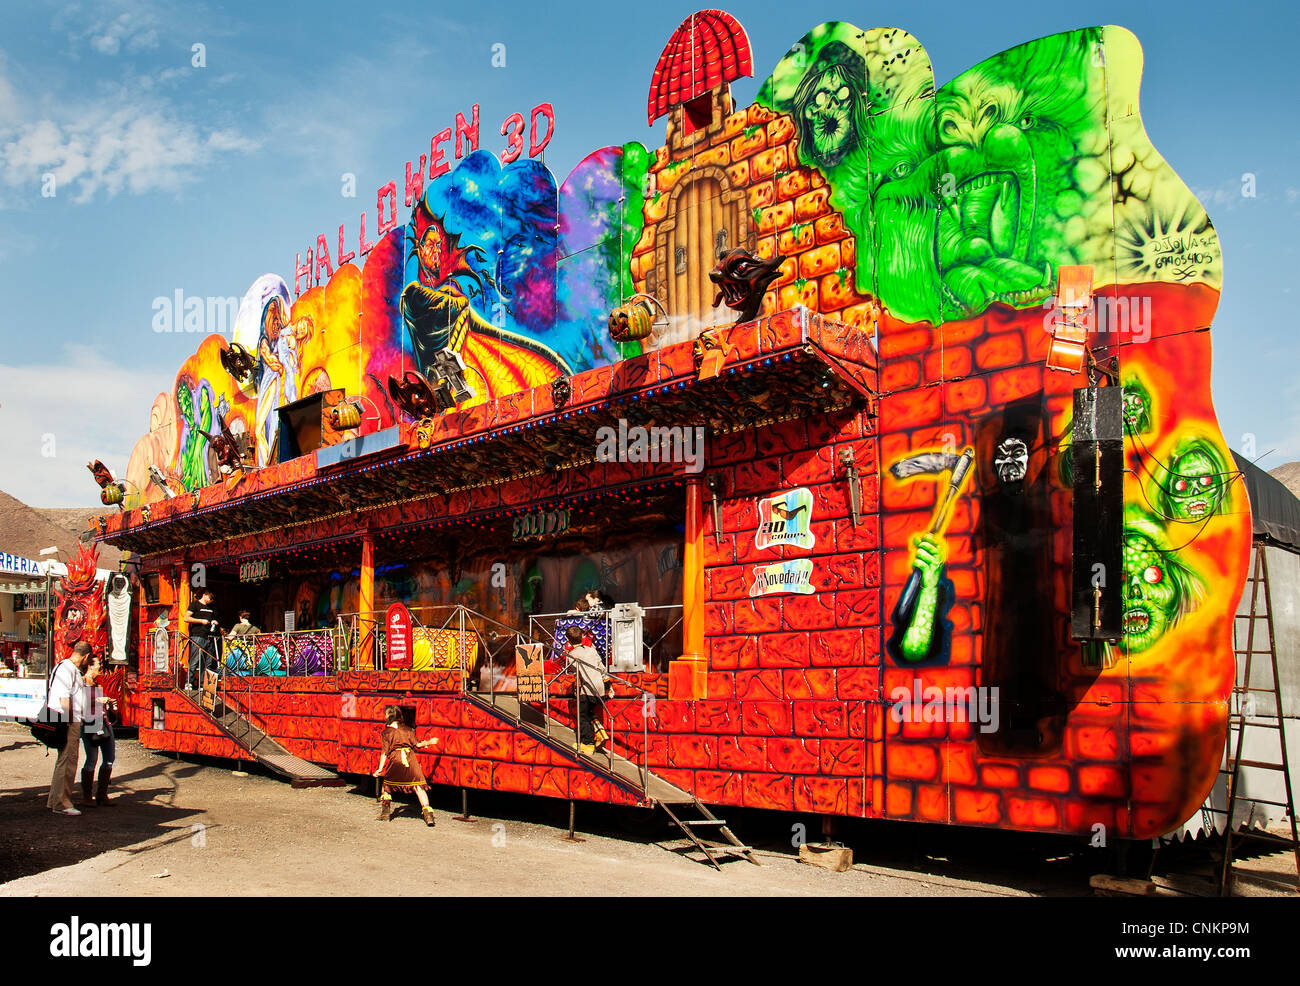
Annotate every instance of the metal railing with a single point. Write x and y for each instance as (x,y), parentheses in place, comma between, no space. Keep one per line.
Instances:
(655,653)
(622,742)
(457,638)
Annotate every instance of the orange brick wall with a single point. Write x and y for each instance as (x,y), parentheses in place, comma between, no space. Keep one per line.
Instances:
(795,219)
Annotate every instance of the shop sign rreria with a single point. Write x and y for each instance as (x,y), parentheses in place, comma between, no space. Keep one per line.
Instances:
(18,565)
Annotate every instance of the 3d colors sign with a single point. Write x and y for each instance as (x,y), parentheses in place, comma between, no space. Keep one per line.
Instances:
(786,519)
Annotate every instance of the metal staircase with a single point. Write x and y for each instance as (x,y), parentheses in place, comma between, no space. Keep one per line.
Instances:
(263,749)
(649,788)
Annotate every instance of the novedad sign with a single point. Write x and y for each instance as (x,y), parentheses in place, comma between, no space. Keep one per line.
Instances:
(399,636)
(319,262)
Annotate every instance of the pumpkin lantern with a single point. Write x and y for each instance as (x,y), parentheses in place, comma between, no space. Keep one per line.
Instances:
(634,320)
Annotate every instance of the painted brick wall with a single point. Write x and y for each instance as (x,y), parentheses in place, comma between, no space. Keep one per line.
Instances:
(789,215)
(936,385)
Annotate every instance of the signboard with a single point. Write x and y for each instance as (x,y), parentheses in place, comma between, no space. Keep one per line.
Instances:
(290,621)
(255,570)
(18,565)
(786,576)
(535,133)
(21,698)
(208,699)
(786,520)
(539,524)
(401,646)
(530,678)
(30,602)
(161,653)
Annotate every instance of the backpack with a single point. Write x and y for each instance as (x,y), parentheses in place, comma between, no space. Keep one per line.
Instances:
(49,728)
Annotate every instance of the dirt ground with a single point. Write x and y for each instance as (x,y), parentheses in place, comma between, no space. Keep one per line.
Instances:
(191,827)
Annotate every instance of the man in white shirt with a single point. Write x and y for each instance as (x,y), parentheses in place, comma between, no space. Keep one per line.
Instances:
(65,687)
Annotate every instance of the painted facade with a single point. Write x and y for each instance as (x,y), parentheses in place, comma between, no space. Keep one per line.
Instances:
(922,230)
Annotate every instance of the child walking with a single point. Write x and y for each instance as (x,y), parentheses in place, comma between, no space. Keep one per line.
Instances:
(399,766)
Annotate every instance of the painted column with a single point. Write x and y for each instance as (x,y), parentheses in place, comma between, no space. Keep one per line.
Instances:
(365,658)
(686,677)
(183,628)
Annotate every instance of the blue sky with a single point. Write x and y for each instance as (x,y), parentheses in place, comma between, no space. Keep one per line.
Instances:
(175,177)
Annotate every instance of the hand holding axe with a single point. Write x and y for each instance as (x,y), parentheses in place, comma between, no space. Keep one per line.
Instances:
(932,463)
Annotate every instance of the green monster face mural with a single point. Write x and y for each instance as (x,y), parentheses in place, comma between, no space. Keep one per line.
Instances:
(1158,590)
(830,105)
(1192,486)
(1137,406)
(973,194)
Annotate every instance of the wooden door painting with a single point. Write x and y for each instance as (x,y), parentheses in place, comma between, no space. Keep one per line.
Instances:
(704,218)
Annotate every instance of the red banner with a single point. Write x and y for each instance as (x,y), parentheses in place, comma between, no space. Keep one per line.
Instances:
(401,643)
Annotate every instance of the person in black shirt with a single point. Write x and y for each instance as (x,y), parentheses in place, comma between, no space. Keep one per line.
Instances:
(204,628)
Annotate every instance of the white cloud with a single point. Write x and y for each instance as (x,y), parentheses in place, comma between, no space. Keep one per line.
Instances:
(114,143)
(80,406)
(134,29)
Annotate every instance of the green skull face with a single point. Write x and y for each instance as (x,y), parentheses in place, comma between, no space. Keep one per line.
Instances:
(827,115)
(1137,408)
(1150,595)
(1195,487)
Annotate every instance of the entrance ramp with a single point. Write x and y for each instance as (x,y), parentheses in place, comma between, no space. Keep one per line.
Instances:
(266,751)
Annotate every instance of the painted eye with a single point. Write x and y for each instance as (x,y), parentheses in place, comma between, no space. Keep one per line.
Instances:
(1153,575)
(1027,122)
(842,94)
(902,169)
(1180,485)
(1205,481)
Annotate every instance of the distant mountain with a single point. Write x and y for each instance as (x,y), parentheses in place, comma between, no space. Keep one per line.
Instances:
(1289,475)
(26,530)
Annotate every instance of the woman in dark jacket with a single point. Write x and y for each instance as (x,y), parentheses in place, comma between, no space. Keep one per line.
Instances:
(399,766)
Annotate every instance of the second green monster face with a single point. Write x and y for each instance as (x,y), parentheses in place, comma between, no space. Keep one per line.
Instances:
(1150,595)
(1196,486)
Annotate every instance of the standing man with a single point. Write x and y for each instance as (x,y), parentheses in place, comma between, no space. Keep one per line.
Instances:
(65,683)
(202,620)
(589,675)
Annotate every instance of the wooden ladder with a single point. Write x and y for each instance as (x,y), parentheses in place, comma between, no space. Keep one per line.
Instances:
(711,849)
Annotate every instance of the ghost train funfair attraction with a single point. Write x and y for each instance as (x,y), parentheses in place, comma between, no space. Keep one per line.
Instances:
(882,410)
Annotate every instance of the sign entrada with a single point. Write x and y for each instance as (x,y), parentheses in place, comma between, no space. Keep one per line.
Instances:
(319,262)
(255,570)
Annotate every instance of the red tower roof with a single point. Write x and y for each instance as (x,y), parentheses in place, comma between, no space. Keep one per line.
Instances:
(708,49)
